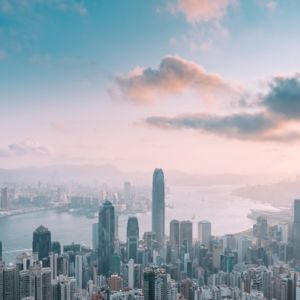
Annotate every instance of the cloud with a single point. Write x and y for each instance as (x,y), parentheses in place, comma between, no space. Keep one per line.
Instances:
(243,126)
(279,108)
(26,147)
(202,10)
(174,75)
(283,97)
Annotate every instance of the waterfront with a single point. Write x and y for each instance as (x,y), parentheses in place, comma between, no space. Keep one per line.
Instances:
(227,213)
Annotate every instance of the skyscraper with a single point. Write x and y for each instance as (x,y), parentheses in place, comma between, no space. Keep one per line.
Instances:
(132,237)
(9,282)
(296,229)
(41,242)
(186,235)
(158,205)
(106,237)
(40,282)
(149,284)
(0,251)
(174,233)
(204,233)
(78,271)
(95,236)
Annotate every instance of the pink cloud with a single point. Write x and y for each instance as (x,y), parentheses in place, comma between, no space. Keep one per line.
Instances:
(203,10)
(174,75)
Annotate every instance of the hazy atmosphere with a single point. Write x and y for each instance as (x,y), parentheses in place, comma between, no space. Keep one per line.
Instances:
(197,86)
(149,150)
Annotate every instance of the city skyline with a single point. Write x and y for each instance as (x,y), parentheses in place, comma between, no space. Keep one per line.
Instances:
(83,80)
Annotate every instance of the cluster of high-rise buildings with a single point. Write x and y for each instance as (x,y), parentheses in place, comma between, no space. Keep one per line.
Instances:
(262,263)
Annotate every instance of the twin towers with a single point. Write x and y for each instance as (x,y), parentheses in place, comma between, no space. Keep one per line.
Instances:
(106,225)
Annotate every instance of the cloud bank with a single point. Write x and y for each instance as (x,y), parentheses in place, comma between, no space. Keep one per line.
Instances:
(280,107)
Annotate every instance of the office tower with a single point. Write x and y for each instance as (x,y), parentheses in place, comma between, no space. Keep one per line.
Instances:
(158,205)
(296,229)
(260,229)
(228,260)
(0,251)
(41,242)
(78,271)
(229,242)
(65,287)
(174,233)
(149,238)
(4,199)
(161,287)
(149,284)
(24,284)
(204,233)
(54,264)
(284,232)
(106,238)
(40,282)
(56,248)
(186,235)
(243,244)
(132,238)
(95,236)
(9,282)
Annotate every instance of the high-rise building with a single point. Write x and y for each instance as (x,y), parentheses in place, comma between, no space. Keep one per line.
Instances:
(78,271)
(186,235)
(296,229)
(174,233)
(4,199)
(41,242)
(0,251)
(158,205)
(56,248)
(243,244)
(204,233)
(40,283)
(9,282)
(106,236)
(95,236)
(149,284)
(132,238)
(24,284)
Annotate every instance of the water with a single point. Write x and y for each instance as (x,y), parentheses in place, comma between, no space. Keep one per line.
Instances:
(228,214)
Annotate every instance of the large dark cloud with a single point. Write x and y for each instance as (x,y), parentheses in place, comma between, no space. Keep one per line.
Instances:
(284,97)
(243,126)
(233,125)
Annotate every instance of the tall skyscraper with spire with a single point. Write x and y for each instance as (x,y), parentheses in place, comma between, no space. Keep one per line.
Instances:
(158,205)
(106,236)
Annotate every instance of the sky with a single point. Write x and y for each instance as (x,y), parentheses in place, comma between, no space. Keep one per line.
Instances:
(201,86)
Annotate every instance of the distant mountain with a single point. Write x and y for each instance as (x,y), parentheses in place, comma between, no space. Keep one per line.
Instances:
(111,175)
